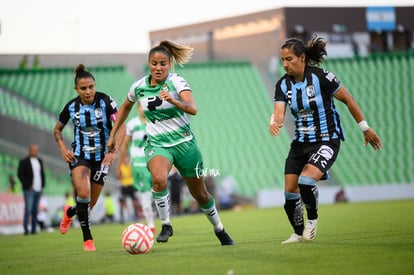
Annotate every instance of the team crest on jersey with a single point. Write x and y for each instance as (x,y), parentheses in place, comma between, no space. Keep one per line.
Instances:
(98,113)
(310,91)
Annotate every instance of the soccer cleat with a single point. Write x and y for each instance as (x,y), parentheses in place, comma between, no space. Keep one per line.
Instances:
(294,238)
(153,230)
(224,237)
(309,233)
(166,232)
(89,245)
(66,221)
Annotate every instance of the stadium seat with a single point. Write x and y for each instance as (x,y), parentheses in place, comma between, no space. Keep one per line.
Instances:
(27,113)
(384,92)
(232,124)
(233,112)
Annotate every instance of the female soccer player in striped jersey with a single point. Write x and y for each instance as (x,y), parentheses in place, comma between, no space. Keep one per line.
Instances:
(309,91)
(166,99)
(92,114)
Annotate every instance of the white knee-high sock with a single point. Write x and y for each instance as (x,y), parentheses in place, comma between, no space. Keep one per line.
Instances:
(146,200)
(162,202)
(212,214)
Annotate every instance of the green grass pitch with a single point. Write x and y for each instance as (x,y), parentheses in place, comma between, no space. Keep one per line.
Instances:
(355,238)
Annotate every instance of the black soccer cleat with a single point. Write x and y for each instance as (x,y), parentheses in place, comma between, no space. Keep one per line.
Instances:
(165,234)
(224,238)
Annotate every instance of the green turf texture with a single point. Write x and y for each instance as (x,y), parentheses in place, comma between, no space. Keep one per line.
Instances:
(355,238)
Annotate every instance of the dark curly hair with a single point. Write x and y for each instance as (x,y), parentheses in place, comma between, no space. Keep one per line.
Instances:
(314,51)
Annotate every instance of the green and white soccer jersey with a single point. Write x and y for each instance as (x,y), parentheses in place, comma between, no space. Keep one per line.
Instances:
(166,124)
(136,130)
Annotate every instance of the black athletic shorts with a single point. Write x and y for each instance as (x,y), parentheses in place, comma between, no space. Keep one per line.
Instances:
(98,172)
(320,154)
(128,191)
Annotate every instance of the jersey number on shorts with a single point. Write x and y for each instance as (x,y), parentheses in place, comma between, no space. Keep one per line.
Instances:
(99,176)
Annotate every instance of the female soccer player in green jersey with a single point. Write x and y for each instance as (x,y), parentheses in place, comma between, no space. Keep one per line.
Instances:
(166,99)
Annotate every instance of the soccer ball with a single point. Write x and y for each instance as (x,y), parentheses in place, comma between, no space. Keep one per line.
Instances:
(137,238)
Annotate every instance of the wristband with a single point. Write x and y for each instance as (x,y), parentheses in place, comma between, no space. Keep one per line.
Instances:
(363,125)
(272,119)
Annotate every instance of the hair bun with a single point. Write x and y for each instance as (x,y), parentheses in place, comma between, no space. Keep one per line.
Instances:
(80,68)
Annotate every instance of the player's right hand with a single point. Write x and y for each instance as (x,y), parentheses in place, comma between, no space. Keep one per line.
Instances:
(68,156)
(274,128)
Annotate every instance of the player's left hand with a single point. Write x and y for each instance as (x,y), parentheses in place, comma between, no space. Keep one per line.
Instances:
(372,138)
(109,158)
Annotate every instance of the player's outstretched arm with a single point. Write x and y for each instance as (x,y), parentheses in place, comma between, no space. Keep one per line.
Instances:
(370,135)
(277,118)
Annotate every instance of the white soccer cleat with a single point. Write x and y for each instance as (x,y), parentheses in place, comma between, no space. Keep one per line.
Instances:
(309,233)
(294,238)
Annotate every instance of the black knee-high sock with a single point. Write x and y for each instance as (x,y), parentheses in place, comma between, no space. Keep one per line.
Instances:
(84,221)
(294,211)
(310,194)
(71,211)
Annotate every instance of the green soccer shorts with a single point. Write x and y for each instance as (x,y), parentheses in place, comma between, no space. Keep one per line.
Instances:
(186,157)
(142,178)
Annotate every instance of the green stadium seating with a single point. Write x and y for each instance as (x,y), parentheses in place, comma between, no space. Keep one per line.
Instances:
(17,109)
(37,96)
(231,126)
(382,86)
(8,166)
(52,88)
(233,112)
(56,183)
